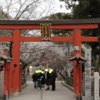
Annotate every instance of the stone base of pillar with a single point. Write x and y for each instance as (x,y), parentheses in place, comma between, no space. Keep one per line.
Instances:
(6,95)
(87,97)
(11,94)
(9,97)
(15,94)
(20,93)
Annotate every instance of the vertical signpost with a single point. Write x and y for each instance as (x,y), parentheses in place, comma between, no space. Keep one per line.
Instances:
(1,84)
(88,73)
(88,76)
(96,86)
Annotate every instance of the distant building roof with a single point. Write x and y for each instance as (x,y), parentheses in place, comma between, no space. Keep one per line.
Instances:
(4,57)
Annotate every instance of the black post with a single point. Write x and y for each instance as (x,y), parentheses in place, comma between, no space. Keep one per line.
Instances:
(4,97)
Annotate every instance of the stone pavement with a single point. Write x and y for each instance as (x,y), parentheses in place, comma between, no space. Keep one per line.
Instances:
(61,93)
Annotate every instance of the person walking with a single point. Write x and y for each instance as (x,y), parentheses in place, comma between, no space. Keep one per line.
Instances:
(66,74)
(28,71)
(53,77)
(35,80)
(39,79)
(47,79)
(43,79)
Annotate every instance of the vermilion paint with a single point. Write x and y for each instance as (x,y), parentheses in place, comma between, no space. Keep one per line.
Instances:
(78,68)
(17,38)
(16,56)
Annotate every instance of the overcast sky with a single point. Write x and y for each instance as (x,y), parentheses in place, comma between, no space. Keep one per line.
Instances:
(56,5)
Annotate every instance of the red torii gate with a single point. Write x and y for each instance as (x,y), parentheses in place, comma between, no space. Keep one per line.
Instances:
(75,24)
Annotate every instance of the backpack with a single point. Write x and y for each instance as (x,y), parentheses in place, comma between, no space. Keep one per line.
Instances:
(54,74)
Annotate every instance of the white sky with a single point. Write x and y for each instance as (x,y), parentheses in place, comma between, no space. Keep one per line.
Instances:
(43,5)
(57,7)
(63,9)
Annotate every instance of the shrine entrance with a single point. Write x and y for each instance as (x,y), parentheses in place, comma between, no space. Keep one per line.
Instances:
(46,25)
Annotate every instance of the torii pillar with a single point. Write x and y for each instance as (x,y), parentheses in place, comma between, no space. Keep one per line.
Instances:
(77,39)
(77,42)
(16,61)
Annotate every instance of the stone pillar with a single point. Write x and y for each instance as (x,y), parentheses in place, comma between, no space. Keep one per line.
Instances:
(96,86)
(2,84)
(88,73)
(87,80)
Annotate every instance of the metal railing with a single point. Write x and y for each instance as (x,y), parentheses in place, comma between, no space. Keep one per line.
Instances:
(68,80)
(23,78)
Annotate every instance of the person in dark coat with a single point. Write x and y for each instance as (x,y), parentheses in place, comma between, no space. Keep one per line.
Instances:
(47,79)
(42,79)
(40,76)
(28,71)
(72,73)
(53,77)
(35,80)
(66,73)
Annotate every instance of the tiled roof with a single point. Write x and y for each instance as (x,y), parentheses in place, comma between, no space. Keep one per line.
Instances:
(4,57)
(78,57)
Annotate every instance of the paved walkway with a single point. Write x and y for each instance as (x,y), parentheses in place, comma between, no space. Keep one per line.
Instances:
(61,93)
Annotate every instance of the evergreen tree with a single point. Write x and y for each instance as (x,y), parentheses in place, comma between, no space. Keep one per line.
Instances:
(59,32)
(82,9)
(90,9)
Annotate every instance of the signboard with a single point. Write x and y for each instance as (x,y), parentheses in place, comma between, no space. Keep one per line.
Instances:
(76,48)
(88,73)
(96,86)
(45,31)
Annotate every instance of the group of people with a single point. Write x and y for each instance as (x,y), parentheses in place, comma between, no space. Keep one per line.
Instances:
(41,77)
